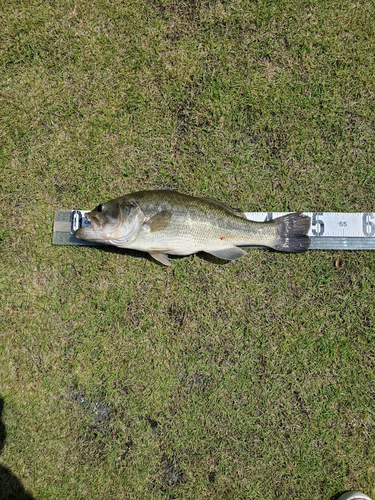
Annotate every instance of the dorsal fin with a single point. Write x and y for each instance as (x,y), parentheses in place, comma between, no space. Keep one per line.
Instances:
(234,211)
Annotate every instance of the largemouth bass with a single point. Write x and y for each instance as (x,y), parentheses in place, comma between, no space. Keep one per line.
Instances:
(167,222)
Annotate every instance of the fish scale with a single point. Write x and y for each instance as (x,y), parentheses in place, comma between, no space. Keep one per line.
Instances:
(198,225)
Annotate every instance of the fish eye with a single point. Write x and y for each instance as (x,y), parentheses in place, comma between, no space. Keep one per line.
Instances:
(99,208)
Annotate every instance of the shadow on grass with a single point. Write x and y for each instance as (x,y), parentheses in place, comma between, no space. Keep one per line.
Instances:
(145,255)
(10,486)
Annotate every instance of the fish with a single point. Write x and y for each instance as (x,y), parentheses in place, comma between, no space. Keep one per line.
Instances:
(163,222)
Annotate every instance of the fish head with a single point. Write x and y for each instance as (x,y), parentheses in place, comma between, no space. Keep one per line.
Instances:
(115,222)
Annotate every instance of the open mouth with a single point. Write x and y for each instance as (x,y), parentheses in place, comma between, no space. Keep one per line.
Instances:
(90,229)
(93,222)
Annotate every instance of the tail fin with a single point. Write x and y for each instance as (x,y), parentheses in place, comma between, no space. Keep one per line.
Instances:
(291,233)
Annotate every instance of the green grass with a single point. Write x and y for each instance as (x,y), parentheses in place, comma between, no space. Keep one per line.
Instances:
(249,380)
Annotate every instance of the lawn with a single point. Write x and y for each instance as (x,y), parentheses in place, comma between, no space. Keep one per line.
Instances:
(123,379)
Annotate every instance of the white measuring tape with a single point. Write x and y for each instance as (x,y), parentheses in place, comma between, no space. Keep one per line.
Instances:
(328,231)
(333,230)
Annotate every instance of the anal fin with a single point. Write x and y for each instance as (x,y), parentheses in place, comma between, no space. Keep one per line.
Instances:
(231,253)
(161,257)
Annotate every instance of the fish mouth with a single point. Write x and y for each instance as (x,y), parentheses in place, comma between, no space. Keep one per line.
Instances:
(93,222)
(85,233)
(90,230)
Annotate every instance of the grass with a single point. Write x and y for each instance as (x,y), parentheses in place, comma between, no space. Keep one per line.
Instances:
(121,378)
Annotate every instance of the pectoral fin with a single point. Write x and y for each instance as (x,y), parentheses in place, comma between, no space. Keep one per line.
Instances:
(160,257)
(159,221)
(231,253)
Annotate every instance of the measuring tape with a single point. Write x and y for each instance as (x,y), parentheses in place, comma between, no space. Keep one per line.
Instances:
(333,230)
(328,231)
